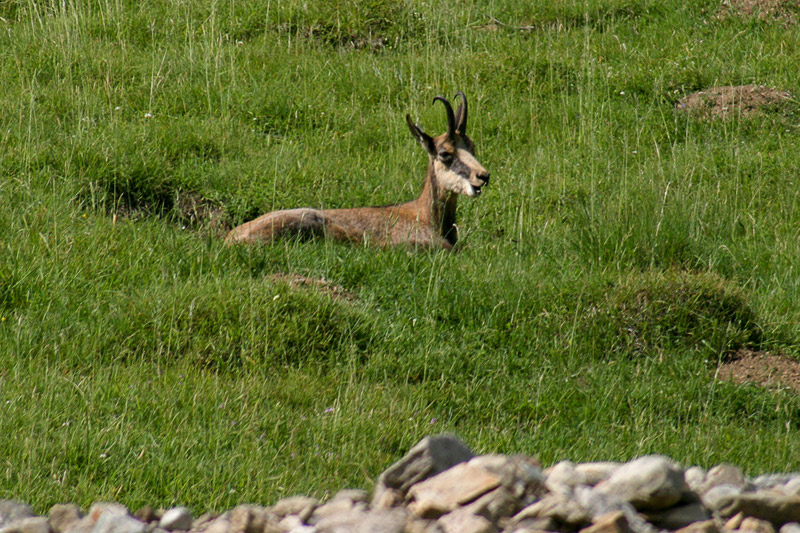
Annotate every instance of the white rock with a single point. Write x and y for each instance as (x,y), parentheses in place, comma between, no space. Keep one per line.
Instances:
(649,483)
(694,476)
(111,522)
(177,518)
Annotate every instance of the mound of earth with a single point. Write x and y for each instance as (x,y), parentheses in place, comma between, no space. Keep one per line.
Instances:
(763,369)
(784,11)
(739,100)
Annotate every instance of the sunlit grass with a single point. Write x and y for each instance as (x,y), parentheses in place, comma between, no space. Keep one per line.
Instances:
(622,250)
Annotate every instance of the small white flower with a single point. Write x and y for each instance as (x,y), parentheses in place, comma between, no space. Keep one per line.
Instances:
(148,115)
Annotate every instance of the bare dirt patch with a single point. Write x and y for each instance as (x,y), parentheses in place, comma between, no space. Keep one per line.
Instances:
(761,368)
(728,101)
(784,11)
(323,285)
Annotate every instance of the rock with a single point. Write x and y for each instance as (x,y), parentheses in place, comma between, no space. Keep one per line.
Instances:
(422,525)
(792,487)
(597,503)
(220,525)
(253,519)
(98,509)
(428,458)
(707,526)
(384,521)
(64,515)
(694,477)
(461,521)
(648,483)
(494,505)
(31,524)
(594,473)
(560,509)
(147,514)
(11,511)
(562,478)
(720,496)
(177,518)
(521,475)
(445,492)
(114,522)
(722,475)
(202,522)
(335,507)
(614,522)
(756,526)
(773,506)
(301,506)
(354,495)
(679,517)
(791,527)
(735,521)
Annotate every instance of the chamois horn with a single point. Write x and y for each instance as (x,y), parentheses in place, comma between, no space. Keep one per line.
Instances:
(451,118)
(461,114)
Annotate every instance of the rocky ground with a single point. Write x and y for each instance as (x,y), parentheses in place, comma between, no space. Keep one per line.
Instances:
(440,486)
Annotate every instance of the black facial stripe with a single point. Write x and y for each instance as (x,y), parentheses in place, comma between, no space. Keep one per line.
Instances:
(459,168)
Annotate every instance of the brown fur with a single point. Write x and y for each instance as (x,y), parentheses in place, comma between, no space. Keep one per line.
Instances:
(428,221)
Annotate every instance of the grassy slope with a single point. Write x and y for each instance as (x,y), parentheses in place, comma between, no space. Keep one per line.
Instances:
(620,251)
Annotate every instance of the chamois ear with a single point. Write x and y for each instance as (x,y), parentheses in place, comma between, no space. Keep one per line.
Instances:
(423,138)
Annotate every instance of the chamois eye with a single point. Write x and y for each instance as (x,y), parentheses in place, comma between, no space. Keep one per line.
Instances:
(446,157)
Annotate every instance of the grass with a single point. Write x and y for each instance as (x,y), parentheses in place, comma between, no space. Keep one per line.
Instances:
(622,250)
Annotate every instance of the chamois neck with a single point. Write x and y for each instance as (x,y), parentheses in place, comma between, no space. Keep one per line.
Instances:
(438,206)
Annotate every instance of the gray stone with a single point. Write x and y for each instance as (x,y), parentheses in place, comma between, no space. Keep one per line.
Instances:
(31,524)
(694,476)
(597,503)
(649,483)
(614,522)
(428,458)
(147,514)
(454,487)
(521,475)
(177,518)
(769,481)
(562,478)
(302,506)
(354,495)
(98,509)
(756,526)
(720,496)
(563,510)
(11,511)
(679,517)
(359,520)
(252,519)
(791,527)
(64,515)
(113,522)
(494,505)
(707,526)
(594,473)
(462,521)
(722,475)
(220,525)
(792,487)
(341,506)
(773,506)
(384,521)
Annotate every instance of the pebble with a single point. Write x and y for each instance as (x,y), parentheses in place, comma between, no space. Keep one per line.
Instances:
(440,486)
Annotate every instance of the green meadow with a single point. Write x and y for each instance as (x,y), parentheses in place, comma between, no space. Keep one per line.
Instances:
(621,252)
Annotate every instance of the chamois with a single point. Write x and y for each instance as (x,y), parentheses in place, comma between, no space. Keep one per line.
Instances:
(427,222)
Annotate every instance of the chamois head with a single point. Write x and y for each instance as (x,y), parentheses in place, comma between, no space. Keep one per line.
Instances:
(452,154)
